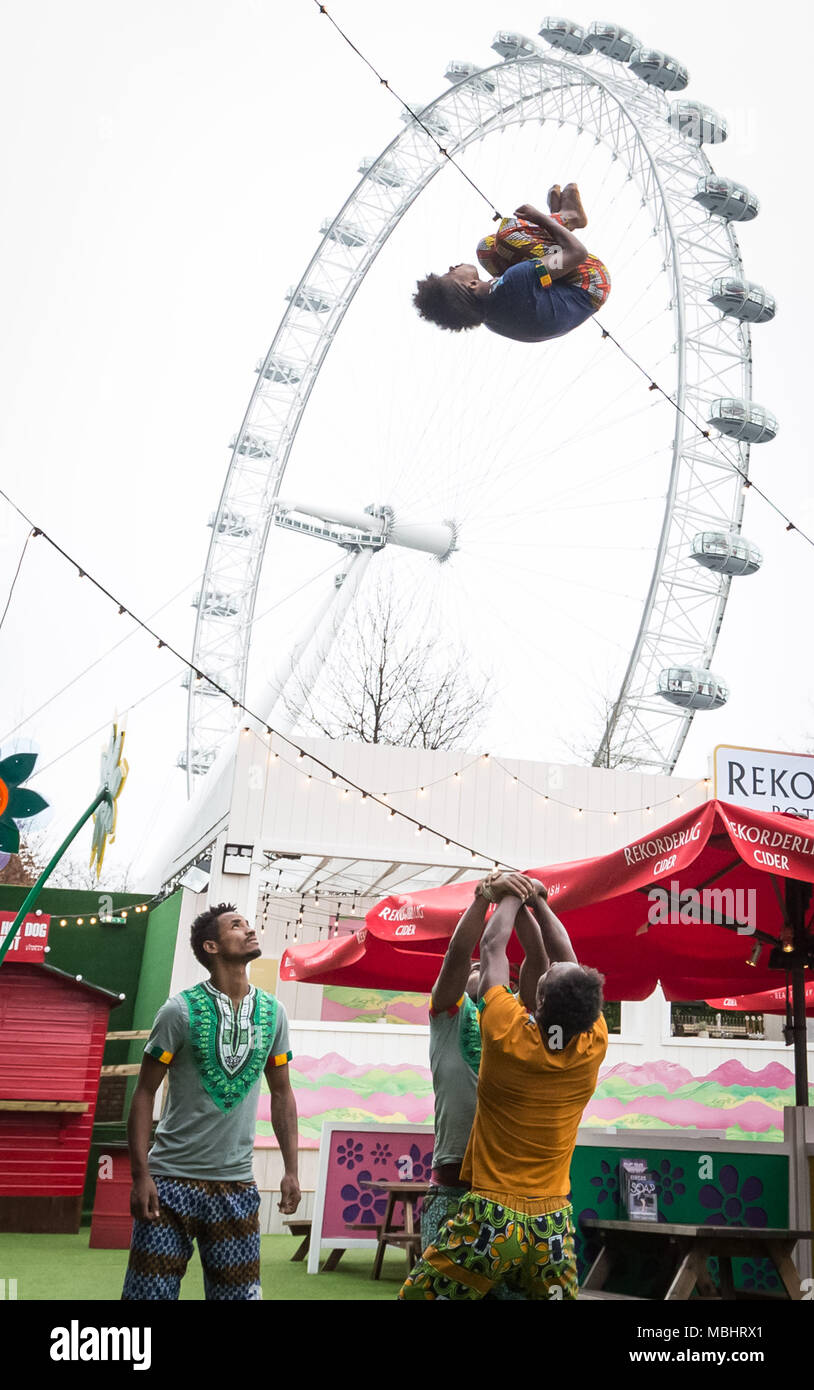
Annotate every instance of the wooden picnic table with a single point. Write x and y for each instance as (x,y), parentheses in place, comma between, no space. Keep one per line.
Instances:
(406,1236)
(689,1248)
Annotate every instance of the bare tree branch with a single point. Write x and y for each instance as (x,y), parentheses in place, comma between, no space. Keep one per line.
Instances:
(387,681)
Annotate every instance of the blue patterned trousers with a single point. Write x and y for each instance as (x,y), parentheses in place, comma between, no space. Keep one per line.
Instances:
(224,1219)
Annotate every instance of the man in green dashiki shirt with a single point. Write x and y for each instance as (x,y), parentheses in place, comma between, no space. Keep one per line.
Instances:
(214,1043)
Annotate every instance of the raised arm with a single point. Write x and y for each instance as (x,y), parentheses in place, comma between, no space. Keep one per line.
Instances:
(535,960)
(457,965)
(556,941)
(494,963)
(568,251)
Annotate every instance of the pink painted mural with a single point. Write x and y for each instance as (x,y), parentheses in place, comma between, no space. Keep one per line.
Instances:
(743,1104)
(340,1005)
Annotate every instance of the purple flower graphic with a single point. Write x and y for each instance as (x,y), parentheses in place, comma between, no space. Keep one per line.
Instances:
(668,1184)
(364,1207)
(607,1181)
(380,1153)
(731,1201)
(349,1154)
(759,1274)
(587,1243)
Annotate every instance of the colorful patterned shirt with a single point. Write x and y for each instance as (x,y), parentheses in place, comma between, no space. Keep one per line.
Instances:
(216,1057)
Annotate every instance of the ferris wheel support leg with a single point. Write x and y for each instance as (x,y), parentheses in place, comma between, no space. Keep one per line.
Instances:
(309,661)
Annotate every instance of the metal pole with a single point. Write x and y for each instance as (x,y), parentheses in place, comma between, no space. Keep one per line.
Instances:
(798,896)
(34,892)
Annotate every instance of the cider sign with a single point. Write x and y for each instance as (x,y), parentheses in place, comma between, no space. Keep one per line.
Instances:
(765,780)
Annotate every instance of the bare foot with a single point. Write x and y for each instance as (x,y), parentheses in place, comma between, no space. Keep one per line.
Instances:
(571,202)
(554,194)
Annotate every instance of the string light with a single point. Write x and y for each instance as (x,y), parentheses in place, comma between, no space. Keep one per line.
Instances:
(301,754)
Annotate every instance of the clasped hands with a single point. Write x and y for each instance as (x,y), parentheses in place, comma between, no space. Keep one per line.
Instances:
(500,884)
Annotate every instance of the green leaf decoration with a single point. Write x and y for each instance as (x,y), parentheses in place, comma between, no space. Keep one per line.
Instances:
(17,768)
(9,837)
(24,803)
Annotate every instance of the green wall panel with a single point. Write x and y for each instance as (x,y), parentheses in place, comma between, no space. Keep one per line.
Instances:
(744,1189)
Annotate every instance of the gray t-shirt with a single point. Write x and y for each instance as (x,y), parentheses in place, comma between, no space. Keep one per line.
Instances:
(216,1057)
(454,1057)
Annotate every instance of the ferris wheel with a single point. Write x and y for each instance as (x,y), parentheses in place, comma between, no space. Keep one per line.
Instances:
(483,455)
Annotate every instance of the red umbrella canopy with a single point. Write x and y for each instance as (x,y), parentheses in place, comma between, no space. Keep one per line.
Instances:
(769,1001)
(643,914)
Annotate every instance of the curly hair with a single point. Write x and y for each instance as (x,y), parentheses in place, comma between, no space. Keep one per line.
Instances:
(448,304)
(572,1002)
(205,928)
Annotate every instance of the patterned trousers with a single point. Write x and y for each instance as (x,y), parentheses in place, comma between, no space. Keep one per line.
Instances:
(486,1246)
(222,1217)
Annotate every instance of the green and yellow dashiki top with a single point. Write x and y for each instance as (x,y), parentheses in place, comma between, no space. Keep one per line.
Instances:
(216,1057)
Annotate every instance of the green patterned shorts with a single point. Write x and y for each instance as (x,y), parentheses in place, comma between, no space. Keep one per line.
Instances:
(486,1246)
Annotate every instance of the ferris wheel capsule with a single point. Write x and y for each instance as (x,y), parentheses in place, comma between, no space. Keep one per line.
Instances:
(311,299)
(216,603)
(742,299)
(199,761)
(480,82)
(433,121)
(229,523)
(696,122)
(726,553)
(658,69)
(692,688)
(612,40)
(726,198)
(512,45)
(743,420)
(252,446)
(345,233)
(564,33)
(383,171)
(280,369)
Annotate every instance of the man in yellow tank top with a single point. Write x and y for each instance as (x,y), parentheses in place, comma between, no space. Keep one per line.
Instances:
(538,1071)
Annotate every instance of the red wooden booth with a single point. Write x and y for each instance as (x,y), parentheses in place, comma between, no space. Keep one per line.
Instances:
(52,1037)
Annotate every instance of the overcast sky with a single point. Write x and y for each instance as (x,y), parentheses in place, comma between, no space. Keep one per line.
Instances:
(166,168)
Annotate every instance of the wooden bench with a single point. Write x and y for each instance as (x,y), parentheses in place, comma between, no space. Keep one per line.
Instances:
(301,1226)
(685,1250)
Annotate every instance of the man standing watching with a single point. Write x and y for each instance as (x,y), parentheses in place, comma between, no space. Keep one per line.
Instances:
(455,1044)
(537,1073)
(214,1041)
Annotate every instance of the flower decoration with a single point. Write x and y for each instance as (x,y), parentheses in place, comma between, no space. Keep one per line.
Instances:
(731,1201)
(113,775)
(607,1182)
(349,1154)
(668,1182)
(16,801)
(380,1153)
(364,1207)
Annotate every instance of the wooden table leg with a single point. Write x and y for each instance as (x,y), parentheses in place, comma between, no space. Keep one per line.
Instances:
(686,1277)
(332,1261)
(780,1254)
(727,1278)
(382,1246)
(706,1283)
(600,1269)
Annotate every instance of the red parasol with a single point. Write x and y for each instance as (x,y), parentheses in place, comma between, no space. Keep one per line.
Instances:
(770,1001)
(700,906)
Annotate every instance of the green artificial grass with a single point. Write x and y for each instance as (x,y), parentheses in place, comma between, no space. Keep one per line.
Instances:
(62,1267)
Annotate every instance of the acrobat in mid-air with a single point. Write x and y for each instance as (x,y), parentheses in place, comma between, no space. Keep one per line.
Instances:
(543,281)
